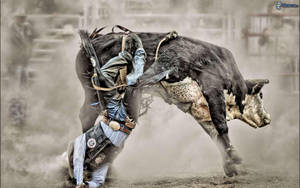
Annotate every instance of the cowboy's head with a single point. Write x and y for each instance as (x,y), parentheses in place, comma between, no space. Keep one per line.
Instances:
(20,16)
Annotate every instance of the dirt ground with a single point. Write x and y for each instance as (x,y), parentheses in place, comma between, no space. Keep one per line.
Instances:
(246,179)
(253,179)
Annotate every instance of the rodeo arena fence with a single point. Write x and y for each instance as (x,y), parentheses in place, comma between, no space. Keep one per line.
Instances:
(274,37)
(141,16)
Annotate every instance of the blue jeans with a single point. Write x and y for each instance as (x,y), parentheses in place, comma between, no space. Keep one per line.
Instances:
(116,110)
(99,175)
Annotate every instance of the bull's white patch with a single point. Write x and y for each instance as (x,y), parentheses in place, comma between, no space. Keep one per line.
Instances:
(254,113)
(232,110)
(188,91)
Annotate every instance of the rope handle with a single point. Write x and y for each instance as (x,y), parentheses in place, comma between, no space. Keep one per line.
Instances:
(121,28)
(169,36)
(123,42)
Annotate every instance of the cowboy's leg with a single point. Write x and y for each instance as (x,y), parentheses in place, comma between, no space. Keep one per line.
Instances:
(78,158)
(99,176)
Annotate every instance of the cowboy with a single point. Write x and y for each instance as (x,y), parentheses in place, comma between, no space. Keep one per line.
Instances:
(94,150)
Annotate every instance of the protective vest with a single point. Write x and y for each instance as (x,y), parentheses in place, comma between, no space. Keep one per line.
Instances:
(99,150)
(96,142)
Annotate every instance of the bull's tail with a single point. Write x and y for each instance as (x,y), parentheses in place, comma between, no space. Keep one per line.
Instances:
(96,32)
(85,42)
(85,34)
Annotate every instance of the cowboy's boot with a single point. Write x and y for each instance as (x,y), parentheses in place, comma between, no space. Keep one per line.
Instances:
(82,186)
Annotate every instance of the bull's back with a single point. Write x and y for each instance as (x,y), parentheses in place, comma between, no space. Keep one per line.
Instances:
(201,60)
(191,57)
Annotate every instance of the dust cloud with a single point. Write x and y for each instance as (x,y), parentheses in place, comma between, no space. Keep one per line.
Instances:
(166,141)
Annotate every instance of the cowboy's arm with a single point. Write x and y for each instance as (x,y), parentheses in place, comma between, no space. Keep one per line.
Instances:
(138,61)
(110,70)
(138,66)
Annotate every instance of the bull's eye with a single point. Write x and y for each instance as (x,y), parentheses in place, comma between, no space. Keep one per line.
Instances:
(261,95)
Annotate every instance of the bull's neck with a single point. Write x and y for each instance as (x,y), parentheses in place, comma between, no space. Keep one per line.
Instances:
(232,109)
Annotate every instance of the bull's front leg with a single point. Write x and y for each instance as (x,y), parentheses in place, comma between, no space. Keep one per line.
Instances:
(229,155)
(218,130)
(188,97)
(230,158)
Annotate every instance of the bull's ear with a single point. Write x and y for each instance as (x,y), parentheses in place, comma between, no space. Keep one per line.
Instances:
(254,86)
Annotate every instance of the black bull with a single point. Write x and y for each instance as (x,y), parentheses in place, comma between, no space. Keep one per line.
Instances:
(211,66)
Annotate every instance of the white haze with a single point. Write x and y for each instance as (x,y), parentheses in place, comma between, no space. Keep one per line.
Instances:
(166,141)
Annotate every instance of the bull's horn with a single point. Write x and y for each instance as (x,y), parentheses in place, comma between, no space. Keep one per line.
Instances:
(260,81)
(265,81)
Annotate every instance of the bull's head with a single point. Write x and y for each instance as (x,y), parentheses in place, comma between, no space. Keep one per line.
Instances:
(254,112)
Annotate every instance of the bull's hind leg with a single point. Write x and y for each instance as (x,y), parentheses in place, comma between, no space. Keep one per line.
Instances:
(88,113)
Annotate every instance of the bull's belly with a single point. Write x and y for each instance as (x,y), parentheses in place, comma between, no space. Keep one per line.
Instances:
(187,92)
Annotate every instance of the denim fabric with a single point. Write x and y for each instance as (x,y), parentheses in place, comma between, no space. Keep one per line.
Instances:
(98,176)
(116,137)
(78,158)
(111,69)
(138,66)
(116,110)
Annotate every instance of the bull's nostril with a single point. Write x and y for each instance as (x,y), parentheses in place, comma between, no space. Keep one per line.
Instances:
(267,121)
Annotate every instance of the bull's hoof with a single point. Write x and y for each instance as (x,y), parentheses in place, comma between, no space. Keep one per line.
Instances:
(230,169)
(232,153)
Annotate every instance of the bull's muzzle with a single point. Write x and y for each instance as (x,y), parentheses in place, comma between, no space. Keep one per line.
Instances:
(266,120)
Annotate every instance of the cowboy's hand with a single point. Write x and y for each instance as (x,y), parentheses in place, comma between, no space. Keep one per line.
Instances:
(137,41)
(81,186)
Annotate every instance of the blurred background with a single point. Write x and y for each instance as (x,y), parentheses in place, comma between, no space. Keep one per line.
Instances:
(41,95)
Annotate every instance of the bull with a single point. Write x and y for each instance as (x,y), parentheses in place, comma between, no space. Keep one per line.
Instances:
(202,79)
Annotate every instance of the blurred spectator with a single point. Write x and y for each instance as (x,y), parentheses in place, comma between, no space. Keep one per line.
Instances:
(46,6)
(264,38)
(21,37)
